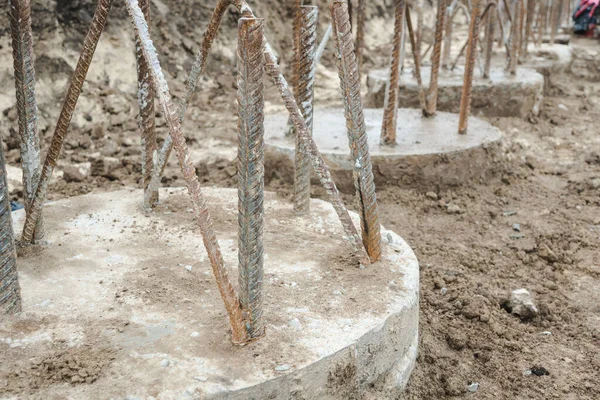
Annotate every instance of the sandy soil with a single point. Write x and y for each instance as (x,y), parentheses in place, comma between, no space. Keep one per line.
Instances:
(471,260)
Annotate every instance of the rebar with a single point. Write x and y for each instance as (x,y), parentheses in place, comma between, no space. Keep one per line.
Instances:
(432,94)
(556,20)
(320,167)
(390,108)
(489,36)
(360,34)
(553,18)
(355,124)
(305,98)
(22,43)
(521,27)
(195,72)
(10,292)
(89,47)
(203,219)
(543,17)
(147,120)
(251,172)
(419,32)
(447,47)
(514,39)
(296,27)
(323,44)
(528,26)
(465,98)
(416,58)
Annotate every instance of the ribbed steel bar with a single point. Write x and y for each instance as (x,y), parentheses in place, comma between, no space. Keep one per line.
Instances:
(274,71)
(355,124)
(296,26)
(416,58)
(419,32)
(85,58)
(558,6)
(447,47)
(196,71)
(552,21)
(543,13)
(22,43)
(514,38)
(147,123)
(360,34)
(251,172)
(203,219)
(465,98)
(390,107)
(323,44)
(435,64)
(489,39)
(522,13)
(528,26)
(464,47)
(10,292)
(305,97)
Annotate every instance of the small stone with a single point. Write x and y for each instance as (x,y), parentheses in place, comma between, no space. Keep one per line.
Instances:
(284,367)
(188,268)
(546,333)
(527,372)
(165,363)
(516,227)
(521,304)
(231,170)
(546,253)
(72,174)
(516,236)
(201,378)
(453,209)
(432,195)
(538,370)
(563,107)
(473,387)
(195,334)
(508,213)
(295,323)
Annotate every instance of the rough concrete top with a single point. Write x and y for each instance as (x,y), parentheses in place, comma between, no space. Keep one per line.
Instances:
(416,135)
(498,77)
(124,301)
(543,57)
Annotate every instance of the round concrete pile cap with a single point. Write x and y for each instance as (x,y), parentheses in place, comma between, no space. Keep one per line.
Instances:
(545,58)
(500,95)
(428,152)
(121,303)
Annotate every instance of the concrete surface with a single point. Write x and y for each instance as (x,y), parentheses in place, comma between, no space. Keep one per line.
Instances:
(429,151)
(502,95)
(129,294)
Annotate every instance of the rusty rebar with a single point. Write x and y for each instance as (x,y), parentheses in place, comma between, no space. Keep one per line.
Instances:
(203,219)
(528,26)
(85,58)
(465,98)
(432,94)
(514,39)
(22,43)
(197,69)
(360,34)
(543,18)
(419,31)
(521,27)
(558,7)
(390,107)
(251,172)
(10,292)
(146,119)
(553,17)
(355,124)
(305,97)
(416,58)
(296,27)
(320,167)
(489,39)
(447,47)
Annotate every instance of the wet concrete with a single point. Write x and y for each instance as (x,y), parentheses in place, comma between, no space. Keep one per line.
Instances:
(502,95)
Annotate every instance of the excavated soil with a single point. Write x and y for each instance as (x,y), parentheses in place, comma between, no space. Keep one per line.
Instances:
(535,224)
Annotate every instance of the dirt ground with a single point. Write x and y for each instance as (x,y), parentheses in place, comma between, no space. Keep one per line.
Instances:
(535,225)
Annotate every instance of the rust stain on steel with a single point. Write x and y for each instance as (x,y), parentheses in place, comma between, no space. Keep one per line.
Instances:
(228,294)
(10,292)
(360,34)
(432,94)
(196,71)
(465,98)
(514,39)
(304,97)
(251,172)
(416,58)
(85,58)
(274,71)
(147,123)
(22,43)
(390,108)
(489,40)
(355,123)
